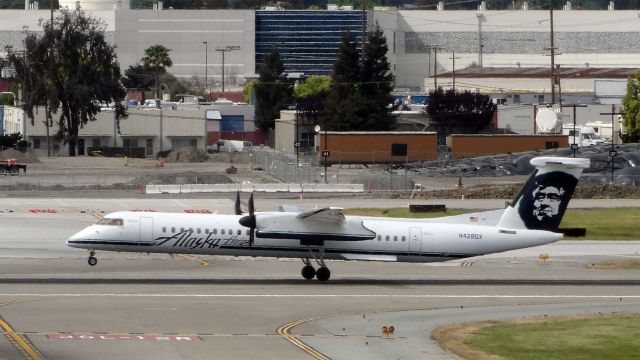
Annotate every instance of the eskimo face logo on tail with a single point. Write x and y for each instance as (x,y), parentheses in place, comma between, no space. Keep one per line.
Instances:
(543,204)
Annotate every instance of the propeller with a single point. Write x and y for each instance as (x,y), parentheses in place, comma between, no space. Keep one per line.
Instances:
(238,208)
(249,220)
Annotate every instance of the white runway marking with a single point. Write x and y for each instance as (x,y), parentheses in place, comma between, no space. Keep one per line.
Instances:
(424,296)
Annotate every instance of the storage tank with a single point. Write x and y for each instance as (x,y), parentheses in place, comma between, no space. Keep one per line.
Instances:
(92,5)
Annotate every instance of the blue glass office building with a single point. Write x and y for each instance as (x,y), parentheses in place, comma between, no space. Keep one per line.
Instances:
(308,40)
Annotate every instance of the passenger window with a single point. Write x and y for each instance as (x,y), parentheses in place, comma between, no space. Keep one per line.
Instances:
(181,229)
(164,229)
(248,232)
(173,229)
(387,238)
(379,237)
(215,231)
(206,231)
(403,238)
(230,232)
(239,232)
(222,232)
(198,230)
(395,238)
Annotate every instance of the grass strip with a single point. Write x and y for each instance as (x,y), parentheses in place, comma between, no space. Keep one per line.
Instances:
(601,223)
(578,337)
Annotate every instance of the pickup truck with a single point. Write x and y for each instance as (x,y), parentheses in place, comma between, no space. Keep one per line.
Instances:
(12,167)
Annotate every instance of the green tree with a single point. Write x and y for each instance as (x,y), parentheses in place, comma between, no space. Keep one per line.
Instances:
(312,86)
(156,58)
(343,102)
(631,109)
(249,90)
(72,67)
(464,112)
(311,96)
(377,84)
(272,91)
(138,77)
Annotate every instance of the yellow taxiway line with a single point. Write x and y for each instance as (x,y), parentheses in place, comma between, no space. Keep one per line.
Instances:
(293,339)
(20,341)
(202,263)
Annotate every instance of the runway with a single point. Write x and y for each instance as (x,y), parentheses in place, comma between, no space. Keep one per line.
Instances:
(54,306)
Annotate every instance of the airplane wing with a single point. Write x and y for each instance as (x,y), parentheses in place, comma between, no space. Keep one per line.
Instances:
(315,225)
(326,214)
(289,208)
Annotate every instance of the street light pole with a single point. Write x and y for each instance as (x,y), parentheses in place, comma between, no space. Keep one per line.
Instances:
(206,66)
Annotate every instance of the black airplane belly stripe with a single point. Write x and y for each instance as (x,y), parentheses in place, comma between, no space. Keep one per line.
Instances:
(273,248)
(351,251)
(111,242)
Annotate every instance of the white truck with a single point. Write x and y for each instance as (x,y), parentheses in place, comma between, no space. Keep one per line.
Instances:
(583,136)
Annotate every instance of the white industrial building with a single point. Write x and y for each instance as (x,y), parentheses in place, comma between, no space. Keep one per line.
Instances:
(422,44)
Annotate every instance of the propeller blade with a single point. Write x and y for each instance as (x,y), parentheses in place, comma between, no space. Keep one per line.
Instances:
(238,208)
(249,220)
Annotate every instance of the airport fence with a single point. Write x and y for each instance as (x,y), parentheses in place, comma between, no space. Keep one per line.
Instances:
(306,168)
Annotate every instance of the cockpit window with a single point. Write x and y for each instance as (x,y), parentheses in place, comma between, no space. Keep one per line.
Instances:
(111,221)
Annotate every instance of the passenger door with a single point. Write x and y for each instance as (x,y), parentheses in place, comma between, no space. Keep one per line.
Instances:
(415,239)
(146,229)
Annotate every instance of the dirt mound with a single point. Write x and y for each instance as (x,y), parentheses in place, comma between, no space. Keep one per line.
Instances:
(187,155)
(181,178)
(24,157)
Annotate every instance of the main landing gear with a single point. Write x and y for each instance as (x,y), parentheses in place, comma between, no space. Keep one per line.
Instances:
(309,272)
(92,260)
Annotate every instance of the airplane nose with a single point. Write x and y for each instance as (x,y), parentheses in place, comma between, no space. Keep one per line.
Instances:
(77,239)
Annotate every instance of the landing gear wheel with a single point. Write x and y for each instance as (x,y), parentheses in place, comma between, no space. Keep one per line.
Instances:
(92,261)
(323,273)
(308,272)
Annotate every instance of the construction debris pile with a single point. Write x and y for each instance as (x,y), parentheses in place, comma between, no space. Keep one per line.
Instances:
(187,155)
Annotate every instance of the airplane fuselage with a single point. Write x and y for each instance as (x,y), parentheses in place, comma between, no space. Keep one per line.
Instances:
(405,240)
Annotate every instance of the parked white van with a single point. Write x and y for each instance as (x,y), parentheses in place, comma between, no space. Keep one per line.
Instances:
(230,146)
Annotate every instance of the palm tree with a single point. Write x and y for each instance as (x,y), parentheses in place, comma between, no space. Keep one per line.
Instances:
(157,59)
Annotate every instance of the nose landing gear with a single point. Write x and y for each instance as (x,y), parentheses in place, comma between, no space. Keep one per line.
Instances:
(92,260)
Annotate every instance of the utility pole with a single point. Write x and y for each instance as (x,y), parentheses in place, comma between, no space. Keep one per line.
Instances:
(206,67)
(552,49)
(223,51)
(612,153)
(435,64)
(453,59)
(364,27)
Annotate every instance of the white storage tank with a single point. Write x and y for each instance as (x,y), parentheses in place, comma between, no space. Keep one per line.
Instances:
(92,5)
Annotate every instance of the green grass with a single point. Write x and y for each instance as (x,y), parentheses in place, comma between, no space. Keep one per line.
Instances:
(601,223)
(599,337)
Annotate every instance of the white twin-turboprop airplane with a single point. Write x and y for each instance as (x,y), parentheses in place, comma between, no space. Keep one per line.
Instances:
(326,233)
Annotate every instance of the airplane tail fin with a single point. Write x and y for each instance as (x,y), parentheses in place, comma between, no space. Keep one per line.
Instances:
(541,203)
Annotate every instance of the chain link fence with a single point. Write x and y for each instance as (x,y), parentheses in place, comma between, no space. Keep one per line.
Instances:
(305,167)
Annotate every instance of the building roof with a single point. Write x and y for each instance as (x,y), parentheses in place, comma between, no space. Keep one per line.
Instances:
(543,72)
